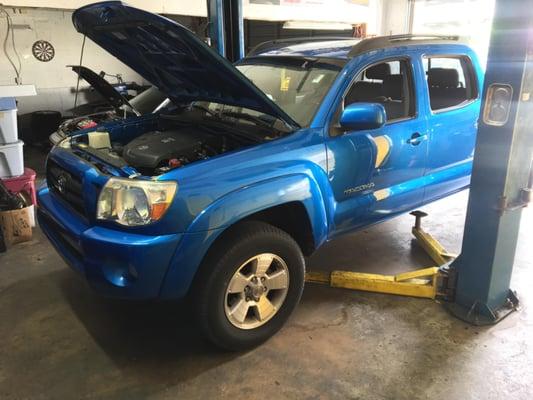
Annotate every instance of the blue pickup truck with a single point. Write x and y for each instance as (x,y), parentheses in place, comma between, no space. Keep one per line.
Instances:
(255,165)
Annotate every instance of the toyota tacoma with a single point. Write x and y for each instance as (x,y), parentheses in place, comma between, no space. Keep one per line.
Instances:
(257,165)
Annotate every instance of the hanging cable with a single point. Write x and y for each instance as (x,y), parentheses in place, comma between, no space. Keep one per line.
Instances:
(78,81)
(6,40)
(15,50)
(11,31)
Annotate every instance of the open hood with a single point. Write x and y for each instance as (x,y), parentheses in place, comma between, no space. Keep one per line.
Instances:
(170,57)
(103,87)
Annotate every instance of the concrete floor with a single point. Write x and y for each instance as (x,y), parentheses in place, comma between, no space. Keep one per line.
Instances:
(60,341)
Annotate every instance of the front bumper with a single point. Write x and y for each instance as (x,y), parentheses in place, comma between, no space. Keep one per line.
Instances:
(115,263)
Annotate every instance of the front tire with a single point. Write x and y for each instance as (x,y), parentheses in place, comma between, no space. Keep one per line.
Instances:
(249,284)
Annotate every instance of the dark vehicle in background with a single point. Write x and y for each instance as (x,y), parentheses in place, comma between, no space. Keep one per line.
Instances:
(149,101)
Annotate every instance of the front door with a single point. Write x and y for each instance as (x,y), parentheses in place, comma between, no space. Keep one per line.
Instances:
(378,173)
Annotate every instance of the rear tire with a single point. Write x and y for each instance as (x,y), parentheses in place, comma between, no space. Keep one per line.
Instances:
(248,286)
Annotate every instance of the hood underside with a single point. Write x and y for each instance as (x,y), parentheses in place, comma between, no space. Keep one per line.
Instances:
(103,87)
(170,57)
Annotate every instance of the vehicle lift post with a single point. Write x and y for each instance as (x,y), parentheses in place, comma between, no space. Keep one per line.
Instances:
(226,28)
(501,175)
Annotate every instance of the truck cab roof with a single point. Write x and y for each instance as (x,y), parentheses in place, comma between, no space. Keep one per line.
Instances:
(346,47)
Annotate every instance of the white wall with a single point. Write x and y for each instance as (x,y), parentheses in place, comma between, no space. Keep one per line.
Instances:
(179,7)
(54,82)
(394,17)
(313,10)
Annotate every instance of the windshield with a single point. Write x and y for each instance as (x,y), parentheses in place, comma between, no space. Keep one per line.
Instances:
(296,89)
(147,101)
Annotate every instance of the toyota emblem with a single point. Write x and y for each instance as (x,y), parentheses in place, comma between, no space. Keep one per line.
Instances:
(62,181)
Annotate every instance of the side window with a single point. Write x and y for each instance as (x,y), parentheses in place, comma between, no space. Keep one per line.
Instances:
(451,81)
(390,84)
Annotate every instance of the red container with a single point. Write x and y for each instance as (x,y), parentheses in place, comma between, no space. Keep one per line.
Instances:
(23,183)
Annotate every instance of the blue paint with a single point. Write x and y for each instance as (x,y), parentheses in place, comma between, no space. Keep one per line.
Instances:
(334,178)
(333,49)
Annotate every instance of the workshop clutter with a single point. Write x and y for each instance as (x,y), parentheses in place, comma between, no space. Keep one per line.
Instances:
(16,212)
(17,184)
(8,126)
(11,159)
(23,184)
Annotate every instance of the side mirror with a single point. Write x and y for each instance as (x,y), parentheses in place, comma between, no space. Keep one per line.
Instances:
(363,116)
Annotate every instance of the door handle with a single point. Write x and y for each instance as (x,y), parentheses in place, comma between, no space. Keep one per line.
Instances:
(416,138)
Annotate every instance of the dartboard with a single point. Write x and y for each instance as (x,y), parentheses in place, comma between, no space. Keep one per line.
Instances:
(43,50)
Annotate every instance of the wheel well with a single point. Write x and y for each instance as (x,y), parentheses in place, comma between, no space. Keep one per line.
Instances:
(292,218)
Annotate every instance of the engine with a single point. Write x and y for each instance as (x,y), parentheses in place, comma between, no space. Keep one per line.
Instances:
(172,144)
(160,151)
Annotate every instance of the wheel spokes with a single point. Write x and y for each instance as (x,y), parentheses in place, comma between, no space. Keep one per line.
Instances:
(262,264)
(264,308)
(278,280)
(240,310)
(250,287)
(237,283)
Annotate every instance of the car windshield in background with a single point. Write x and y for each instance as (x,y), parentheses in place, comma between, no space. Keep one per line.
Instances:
(148,101)
(296,89)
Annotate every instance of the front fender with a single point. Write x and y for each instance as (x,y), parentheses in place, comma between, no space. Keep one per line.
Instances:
(248,200)
(233,207)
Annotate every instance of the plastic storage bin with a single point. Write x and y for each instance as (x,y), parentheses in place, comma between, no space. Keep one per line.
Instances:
(11,159)
(8,126)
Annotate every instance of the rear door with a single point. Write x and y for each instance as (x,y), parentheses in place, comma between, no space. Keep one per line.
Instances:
(453,100)
(379,173)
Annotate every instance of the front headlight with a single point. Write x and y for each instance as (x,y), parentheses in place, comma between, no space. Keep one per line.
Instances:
(134,202)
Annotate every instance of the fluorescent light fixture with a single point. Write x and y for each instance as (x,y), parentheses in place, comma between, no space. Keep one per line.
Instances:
(318,25)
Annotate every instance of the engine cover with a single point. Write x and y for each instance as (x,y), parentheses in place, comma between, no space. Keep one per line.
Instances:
(154,149)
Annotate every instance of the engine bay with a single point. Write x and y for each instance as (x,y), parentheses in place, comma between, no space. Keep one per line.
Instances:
(168,144)
(161,151)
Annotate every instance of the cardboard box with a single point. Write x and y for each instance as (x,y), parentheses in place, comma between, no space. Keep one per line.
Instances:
(16,225)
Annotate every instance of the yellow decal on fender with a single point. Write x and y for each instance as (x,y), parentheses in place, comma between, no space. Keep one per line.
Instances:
(381,194)
(383,145)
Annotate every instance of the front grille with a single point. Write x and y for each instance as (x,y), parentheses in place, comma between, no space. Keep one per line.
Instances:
(66,186)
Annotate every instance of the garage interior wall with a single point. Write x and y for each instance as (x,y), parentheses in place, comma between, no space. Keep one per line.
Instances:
(56,84)
(394,17)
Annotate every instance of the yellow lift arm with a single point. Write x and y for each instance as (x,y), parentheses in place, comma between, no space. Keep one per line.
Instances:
(433,282)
